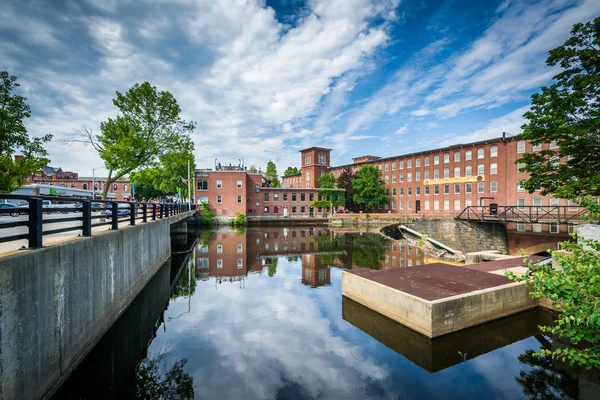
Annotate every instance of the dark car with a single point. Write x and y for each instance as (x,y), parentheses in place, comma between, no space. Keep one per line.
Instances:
(122,210)
(5,206)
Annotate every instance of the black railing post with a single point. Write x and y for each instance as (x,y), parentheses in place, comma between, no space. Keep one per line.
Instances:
(132,211)
(162,211)
(144,211)
(115,216)
(87,218)
(36,222)
(154,212)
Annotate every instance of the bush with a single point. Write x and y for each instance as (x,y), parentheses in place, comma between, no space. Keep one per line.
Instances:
(239,220)
(206,214)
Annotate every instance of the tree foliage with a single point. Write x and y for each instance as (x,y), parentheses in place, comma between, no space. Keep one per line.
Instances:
(327,181)
(568,113)
(271,173)
(345,182)
(14,138)
(152,383)
(149,127)
(206,214)
(369,189)
(291,171)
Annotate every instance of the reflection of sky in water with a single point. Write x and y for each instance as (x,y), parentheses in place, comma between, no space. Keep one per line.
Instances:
(277,338)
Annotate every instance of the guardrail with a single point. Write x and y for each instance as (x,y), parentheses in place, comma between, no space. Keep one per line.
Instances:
(525,214)
(106,212)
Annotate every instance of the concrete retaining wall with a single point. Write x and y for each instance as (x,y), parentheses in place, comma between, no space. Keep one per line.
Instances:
(56,302)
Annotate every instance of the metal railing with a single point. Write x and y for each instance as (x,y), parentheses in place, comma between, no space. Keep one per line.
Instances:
(525,214)
(91,213)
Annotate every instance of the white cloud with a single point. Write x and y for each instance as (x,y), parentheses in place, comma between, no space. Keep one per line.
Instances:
(402,130)
(421,112)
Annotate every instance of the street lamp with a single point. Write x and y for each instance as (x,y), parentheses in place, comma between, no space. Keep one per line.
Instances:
(94,181)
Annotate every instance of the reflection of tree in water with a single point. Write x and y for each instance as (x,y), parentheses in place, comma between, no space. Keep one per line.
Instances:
(186,284)
(154,381)
(368,250)
(272,264)
(544,381)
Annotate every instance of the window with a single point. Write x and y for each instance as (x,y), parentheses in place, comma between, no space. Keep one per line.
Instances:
(554,201)
(239,199)
(468,188)
(457,172)
(387,167)
(293,196)
(456,205)
(401,191)
(307,159)
(393,191)
(537,227)
(520,187)
(447,188)
(393,204)
(553,145)
(520,166)
(457,188)
(219,264)
(537,147)
(468,203)
(493,186)
(554,161)
(115,187)
(387,179)
(322,158)
(446,205)
(302,196)
(521,146)
(480,169)
(409,191)
(266,197)
(456,156)
(240,248)
(275,196)
(418,190)
(72,185)
(553,227)
(401,165)
(521,227)
(402,204)
(572,205)
(537,201)
(418,162)
(409,164)
(493,168)
(436,204)
(426,190)
(393,178)
(202,185)
(239,184)
(409,205)
(427,175)
(468,155)
(303,209)
(436,174)
(446,158)
(468,170)
(257,203)
(418,176)
(257,188)
(426,161)
(572,227)
(480,187)
(493,151)
(426,205)
(409,177)
(219,249)
(446,172)
(521,203)
(219,199)
(219,184)
(311,196)
(480,153)
(84,186)
(436,189)
(436,160)
(294,208)
(285,197)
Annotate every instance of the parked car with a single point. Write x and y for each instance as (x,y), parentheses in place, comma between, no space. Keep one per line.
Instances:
(95,206)
(58,207)
(16,212)
(123,209)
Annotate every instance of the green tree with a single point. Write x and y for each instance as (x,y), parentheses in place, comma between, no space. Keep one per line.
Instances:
(154,381)
(272,174)
(206,214)
(369,189)
(345,182)
(568,114)
(14,138)
(149,127)
(291,171)
(327,181)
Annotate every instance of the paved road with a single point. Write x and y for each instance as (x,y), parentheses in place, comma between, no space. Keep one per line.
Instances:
(16,245)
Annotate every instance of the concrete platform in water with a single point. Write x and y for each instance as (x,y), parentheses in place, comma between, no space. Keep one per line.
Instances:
(437,299)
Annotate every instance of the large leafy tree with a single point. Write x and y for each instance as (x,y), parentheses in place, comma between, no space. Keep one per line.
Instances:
(567,113)
(149,127)
(14,138)
(345,182)
(327,181)
(272,174)
(291,171)
(369,189)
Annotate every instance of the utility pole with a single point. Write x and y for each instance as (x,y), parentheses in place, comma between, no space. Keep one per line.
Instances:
(189,182)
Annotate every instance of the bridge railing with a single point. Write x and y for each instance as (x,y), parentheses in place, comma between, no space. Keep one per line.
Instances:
(525,214)
(87,214)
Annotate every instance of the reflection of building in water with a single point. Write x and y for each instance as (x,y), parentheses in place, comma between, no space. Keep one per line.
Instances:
(402,254)
(314,271)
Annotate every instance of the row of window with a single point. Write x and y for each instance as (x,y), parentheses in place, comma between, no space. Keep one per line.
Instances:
(553,227)
(202,263)
(457,187)
(446,159)
(522,146)
(98,186)
(202,185)
(427,205)
(446,173)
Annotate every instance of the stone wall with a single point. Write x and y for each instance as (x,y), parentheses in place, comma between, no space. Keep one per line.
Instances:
(460,235)
(56,302)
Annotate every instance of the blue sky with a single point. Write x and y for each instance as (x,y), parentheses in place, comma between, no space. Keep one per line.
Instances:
(266,79)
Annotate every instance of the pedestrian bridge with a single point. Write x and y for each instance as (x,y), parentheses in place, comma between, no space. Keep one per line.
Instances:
(525,214)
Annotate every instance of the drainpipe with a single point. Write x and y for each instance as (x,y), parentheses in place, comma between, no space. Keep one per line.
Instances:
(432,241)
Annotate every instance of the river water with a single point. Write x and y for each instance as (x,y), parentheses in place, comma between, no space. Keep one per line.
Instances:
(258,314)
